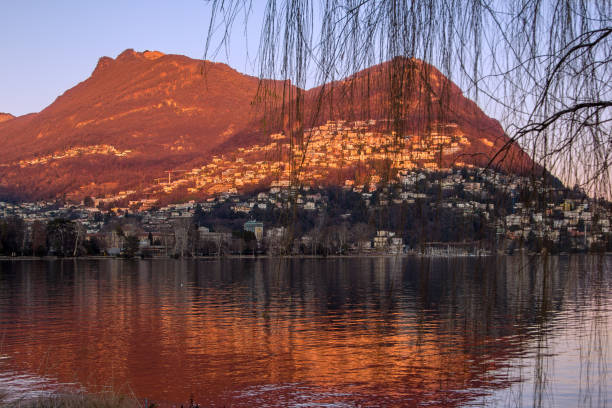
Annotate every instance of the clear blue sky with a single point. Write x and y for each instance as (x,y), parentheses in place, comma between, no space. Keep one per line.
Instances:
(48,46)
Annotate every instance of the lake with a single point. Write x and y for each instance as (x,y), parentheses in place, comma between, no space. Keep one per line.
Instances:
(495,331)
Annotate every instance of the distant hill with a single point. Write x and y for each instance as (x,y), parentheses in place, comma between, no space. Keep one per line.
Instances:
(144,113)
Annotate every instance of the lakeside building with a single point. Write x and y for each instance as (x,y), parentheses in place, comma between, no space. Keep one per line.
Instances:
(461,204)
(256,228)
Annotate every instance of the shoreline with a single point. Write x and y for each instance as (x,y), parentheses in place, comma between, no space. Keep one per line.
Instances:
(74,399)
(246,257)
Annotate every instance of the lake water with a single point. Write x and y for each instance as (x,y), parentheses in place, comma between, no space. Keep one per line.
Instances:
(507,331)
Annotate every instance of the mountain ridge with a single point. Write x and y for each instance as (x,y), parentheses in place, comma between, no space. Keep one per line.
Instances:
(5,116)
(142,114)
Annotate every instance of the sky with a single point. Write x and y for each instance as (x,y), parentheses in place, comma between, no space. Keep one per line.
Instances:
(48,47)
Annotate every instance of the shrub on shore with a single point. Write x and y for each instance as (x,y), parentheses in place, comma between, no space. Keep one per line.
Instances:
(103,400)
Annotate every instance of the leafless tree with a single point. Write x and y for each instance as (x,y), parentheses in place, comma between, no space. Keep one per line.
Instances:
(361,233)
(80,233)
(181,228)
(541,67)
(39,238)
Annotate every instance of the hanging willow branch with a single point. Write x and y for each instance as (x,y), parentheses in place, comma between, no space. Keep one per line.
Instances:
(541,67)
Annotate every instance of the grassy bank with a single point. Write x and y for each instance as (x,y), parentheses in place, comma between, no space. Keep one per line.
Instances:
(105,400)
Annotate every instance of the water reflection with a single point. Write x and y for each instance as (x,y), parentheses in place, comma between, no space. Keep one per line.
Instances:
(505,331)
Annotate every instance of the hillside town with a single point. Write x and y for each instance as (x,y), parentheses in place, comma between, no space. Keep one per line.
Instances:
(325,150)
(103,149)
(442,212)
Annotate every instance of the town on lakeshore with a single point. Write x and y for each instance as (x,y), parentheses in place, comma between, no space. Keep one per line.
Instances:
(423,209)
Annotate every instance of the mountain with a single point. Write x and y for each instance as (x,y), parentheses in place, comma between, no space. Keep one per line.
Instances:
(142,114)
(5,116)
(424,102)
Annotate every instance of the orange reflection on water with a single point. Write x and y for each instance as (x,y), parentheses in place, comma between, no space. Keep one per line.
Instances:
(372,332)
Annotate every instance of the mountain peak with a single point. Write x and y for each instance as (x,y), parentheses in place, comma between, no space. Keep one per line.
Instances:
(5,116)
(146,54)
(128,53)
(152,55)
(103,63)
